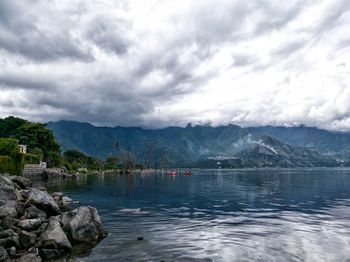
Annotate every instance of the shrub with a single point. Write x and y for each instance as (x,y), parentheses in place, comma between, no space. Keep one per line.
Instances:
(7,165)
(31,159)
(9,146)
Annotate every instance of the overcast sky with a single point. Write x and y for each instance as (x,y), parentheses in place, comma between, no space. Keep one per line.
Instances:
(159,63)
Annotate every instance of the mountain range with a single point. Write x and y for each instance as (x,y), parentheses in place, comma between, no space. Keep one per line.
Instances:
(229,146)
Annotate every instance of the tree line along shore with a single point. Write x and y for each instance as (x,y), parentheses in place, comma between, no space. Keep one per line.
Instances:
(23,142)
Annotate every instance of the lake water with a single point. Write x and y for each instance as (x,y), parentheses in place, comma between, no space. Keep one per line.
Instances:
(225,215)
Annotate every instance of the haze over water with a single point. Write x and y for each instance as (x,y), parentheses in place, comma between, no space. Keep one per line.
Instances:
(225,215)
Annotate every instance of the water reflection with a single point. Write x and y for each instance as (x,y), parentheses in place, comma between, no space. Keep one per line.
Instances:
(259,215)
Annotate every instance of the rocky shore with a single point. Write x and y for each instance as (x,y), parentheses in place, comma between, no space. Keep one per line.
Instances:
(38,226)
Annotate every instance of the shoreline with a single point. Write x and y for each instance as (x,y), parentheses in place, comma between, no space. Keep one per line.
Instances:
(38,226)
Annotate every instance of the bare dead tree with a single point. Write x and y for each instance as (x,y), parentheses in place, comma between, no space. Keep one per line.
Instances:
(130,160)
(163,158)
(148,153)
(116,146)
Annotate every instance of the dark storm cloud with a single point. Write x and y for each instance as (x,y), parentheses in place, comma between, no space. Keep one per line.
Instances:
(23,31)
(158,63)
(13,81)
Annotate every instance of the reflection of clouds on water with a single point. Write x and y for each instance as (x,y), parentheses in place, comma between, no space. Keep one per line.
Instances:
(133,211)
(292,236)
(250,215)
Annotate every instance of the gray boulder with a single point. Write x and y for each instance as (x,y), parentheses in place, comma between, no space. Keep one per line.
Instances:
(11,251)
(33,212)
(43,201)
(11,209)
(41,229)
(82,224)
(54,237)
(9,222)
(26,239)
(7,190)
(50,254)
(29,258)
(30,224)
(3,254)
(57,196)
(10,241)
(6,181)
(21,181)
(24,193)
(7,233)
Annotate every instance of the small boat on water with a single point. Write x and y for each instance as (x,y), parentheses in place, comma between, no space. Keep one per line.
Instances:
(172,173)
(188,173)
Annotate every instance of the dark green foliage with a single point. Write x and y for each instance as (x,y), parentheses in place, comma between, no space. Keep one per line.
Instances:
(74,155)
(11,160)
(9,146)
(74,159)
(39,140)
(12,165)
(139,166)
(36,135)
(38,152)
(53,159)
(41,144)
(7,165)
(31,158)
(112,162)
(10,125)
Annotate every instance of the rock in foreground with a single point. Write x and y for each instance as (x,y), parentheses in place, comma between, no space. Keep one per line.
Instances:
(35,225)
(83,224)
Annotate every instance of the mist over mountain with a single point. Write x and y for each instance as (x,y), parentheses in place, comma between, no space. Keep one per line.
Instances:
(204,146)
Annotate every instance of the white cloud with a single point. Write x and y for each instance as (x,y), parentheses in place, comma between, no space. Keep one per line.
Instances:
(159,63)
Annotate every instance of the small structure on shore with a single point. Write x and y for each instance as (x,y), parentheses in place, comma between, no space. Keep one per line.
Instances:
(22,149)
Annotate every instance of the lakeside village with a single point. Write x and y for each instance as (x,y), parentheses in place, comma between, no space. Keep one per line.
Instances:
(28,148)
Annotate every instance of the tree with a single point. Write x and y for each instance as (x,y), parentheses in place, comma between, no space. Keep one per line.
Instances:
(74,159)
(10,125)
(112,162)
(148,153)
(116,148)
(9,147)
(38,152)
(11,161)
(74,155)
(36,135)
(53,159)
(163,158)
(130,160)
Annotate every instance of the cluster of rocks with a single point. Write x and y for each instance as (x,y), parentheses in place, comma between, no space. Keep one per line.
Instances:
(36,226)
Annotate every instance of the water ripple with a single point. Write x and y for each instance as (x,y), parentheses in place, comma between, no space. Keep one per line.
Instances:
(253,215)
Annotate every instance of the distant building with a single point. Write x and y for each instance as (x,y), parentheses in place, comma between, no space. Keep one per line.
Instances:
(22,149)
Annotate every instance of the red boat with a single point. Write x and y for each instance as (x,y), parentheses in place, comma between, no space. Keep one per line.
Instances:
(188,173)
(172,173)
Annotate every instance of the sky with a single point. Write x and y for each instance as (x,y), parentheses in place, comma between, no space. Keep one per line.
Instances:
(158,63)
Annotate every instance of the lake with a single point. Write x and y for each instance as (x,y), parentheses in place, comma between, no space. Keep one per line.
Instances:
(219,215)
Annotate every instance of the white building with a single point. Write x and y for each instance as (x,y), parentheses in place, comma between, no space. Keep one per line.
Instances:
(23,149)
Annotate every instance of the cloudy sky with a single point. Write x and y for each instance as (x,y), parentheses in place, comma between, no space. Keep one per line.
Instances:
(156,63)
